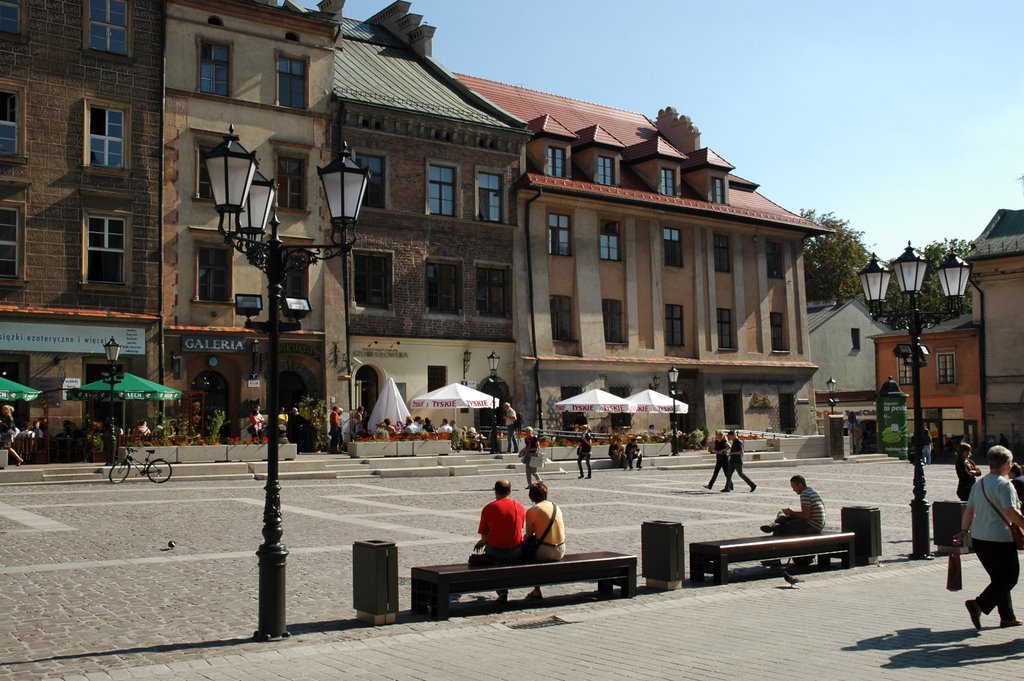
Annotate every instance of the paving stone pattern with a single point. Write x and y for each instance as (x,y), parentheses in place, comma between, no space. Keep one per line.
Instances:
(88,593)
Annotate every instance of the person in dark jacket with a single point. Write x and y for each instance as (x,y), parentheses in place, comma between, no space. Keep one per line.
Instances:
(736,463)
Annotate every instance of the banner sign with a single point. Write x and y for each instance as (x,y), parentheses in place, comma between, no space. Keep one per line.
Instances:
(70,338)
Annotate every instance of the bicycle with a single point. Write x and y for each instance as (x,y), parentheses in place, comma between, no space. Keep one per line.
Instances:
(157,470)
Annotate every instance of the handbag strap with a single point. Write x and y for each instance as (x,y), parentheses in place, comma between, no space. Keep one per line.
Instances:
(998,512)
(550,523)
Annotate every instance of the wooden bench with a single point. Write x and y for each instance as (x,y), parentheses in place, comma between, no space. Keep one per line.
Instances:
(713,557)
(432,585)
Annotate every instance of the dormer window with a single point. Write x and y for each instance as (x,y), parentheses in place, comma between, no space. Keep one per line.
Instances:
(556,162)
(605,170)
(717,190)
(667,182)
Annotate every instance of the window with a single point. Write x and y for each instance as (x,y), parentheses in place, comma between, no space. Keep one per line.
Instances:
(291,82)
(732,409)
(561,318)
(213,69)
(609,248)
(204,189)
(673,325)
(605,170)
(667,182)
(611,312)
(558,234)
(441,185)
(9,243)
(372,279)
(489,188)
(8,123)
(721,245)
(946,364)
(571,419)
(556,162)
(778,332)
(105,250)
(717,190)
(492,291)
(443,287)
(212,278)
(294,284)
(291,183)
(855,339)
(773,259)
(437,377)
(620,420)
(904,371)
(10,16)
(724,318)
(106,137)
(374,197)
(673,246)
(108,26)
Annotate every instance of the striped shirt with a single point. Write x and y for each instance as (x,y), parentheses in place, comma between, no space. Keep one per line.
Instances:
(812,500)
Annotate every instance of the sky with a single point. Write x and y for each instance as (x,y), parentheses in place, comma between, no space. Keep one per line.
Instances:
(904,118)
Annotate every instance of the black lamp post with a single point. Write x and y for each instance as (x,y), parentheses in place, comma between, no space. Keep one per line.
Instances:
(245,202)
(673,377)
(832,401)
(466,355)
(113,351)
(910,270)
(492,362)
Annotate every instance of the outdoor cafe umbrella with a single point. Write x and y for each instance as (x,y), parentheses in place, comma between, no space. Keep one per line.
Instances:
(651,401)
(454,396)
(389,405)
(9,390)
(596,401)
(126,387)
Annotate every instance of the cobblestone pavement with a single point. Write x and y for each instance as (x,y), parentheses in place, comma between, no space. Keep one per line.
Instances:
(88,593)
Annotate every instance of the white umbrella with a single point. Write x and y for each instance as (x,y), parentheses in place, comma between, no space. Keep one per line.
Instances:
(454,396)
(649,401)
(596,401)
(389,406)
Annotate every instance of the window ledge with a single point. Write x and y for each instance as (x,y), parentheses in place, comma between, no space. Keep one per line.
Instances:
(780,352)
(102,285)
(18,159)
(292,211)
(203,301)
(722,348)
(442,314)
(6,282)
(374,311)
(127,58)
(106,170)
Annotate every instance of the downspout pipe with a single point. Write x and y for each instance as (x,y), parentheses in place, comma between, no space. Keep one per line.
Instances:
(533,312)
(983,380)
(162,177)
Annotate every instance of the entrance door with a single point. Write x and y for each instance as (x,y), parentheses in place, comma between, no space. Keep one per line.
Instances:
(787,412)
(367,389)
(291,390)
(216,389)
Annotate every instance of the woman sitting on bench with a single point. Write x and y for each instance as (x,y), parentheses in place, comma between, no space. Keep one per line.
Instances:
(539,524)
(810,519)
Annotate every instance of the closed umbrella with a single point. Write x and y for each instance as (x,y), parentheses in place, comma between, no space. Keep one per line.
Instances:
(389,405)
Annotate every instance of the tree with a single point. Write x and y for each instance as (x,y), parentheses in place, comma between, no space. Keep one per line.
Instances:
(831,261)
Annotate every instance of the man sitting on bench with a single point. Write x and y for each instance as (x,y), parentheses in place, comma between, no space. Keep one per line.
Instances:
(501,529)
(810,519)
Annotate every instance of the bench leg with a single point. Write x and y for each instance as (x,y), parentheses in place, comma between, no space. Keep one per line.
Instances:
(629,587)
(721,570)
(441,598)
(605,586)
(696,568)
(420,596)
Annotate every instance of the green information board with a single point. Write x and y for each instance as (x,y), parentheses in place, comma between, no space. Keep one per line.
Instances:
(892,420)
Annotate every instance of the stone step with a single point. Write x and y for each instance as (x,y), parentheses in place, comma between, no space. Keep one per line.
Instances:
(299,475)
(260,467)
(414,472)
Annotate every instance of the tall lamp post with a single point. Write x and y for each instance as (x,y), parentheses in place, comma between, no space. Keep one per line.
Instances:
(492,363)
(673,377)
(113,350)
(832,401)
(910,270)
(245,202)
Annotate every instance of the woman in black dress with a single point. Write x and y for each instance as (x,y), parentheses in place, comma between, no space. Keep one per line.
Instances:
(966,471)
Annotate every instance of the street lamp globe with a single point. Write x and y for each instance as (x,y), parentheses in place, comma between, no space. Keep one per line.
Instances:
(953,275)
(344,185)
(231,169)
(910,269)
(492,362)
(258,206)
(874,279)
(112,349)
(673,375)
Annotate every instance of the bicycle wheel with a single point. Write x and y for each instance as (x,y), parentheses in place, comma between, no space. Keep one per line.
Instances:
(158,471)
(119,471)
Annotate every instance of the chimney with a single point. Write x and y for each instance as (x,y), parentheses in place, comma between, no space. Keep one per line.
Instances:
(391,16)
(333,7)
(420,40)
(679,130)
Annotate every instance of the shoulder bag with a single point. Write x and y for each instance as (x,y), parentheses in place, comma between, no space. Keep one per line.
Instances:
(532,543)
(1016,532)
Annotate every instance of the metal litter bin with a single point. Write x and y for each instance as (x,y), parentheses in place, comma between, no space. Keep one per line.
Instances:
(663,553)
(375,581)
(946,517)
(866,523)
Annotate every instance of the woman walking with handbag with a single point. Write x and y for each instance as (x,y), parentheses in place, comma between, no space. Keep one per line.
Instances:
(990,520)
(531,456)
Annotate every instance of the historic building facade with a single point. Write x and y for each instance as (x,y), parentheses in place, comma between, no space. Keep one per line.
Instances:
(80,112)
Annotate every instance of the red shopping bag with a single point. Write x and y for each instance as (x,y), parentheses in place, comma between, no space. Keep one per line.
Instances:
(954,579)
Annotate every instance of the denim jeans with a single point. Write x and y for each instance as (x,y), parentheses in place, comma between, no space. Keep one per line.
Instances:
(510,435)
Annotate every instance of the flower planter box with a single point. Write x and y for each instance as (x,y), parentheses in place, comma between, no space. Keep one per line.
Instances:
(403,448)
(656,449)
(200,453)
(755,445)
(168,453)
(371,449)
(247,452)
(561,453)
(432,447)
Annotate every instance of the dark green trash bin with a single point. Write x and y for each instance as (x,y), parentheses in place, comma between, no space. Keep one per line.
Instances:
(866,523)
(375,581)
(663,553)
(946,517)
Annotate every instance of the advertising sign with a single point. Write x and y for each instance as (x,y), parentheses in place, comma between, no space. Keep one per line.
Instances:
(892,424)
(69,338)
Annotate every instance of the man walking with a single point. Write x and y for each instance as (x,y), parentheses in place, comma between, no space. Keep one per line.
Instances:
(511,427)
(501,529)
(736,463)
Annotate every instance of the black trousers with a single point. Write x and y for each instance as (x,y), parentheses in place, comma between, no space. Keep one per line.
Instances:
(736,466)
(580,458)
(721,464)
(999,558)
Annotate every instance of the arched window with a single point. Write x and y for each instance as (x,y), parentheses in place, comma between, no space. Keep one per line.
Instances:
(291,390)
(291,36)
(217,397)
(215,21)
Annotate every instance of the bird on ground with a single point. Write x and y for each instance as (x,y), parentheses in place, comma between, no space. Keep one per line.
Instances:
(170,546)
(790,579)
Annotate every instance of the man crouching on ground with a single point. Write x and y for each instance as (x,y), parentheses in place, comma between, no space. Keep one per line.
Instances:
(501,528)
(810,519)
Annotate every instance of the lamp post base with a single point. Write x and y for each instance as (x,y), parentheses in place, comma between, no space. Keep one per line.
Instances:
(920,524)
(272,564)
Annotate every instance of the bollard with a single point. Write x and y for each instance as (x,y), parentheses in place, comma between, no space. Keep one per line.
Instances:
(946,517)
(663,554)
(866,523)
(375,581)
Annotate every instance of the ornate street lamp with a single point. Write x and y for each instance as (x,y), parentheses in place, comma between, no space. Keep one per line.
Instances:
(832,401)
(245,201)
(655,382)
(113,351)
(910,270)
(466,355)
(673,378)
(492,363)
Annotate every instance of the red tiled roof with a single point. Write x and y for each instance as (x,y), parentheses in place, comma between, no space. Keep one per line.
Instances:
(706,157)
(657,146)
(77,312)
(549,125)
(595,134)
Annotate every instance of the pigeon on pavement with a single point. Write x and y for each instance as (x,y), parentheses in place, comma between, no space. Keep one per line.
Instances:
(790,579)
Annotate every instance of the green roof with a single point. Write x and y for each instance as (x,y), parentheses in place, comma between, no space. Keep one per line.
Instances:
(1003,236)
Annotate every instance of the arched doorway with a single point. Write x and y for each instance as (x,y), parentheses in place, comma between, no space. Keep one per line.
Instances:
(367,388)
(216,389)
(495,387)
(290,389)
